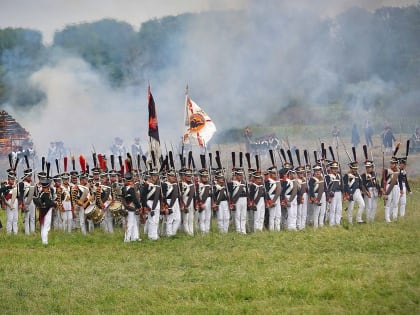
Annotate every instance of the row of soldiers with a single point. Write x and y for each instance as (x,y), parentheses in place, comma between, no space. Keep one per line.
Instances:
(166,200)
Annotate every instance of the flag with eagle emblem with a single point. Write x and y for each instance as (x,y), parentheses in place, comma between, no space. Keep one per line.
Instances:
(198,127)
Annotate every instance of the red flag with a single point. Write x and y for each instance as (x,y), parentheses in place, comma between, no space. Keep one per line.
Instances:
(153,121)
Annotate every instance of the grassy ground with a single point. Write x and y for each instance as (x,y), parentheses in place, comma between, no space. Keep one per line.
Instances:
(359,269)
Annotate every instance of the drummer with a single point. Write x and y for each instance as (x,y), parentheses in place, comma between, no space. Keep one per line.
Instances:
(105,201)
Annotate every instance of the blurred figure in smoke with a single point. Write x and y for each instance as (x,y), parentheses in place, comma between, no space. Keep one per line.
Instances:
(335,132)
(368,134)
(136,148)
(388,138)
(52,152)
(118,147)
(355,138)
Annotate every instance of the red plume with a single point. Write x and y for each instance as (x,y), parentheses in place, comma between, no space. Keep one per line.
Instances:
(102,162)
(65,164)
(122,170)
(82,162)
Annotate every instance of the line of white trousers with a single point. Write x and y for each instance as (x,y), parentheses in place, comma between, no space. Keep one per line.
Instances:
(357,197)
(12,216)
(319,211)
(391,205)
(29,217)
(302,212)
(223,216)
(173,220)
(46,226)
(371,204)
(204,217)
(274,215)
(336,209)
(240,215)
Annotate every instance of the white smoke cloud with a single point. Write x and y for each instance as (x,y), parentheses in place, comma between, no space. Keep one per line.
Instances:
(82,110)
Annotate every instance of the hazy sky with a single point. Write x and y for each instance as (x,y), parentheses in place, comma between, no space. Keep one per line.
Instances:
(51,15)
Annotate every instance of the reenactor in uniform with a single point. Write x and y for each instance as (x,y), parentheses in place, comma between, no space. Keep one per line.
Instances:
(310,205)
(391,191)
(67,213)
(353,188)
(334,194)
(188,195)
(251,205)
(9,194)
(58,197)
(151,196)
(221,201)
(104,201)
(257,200)
(316,187)
(81,199)
(45,203)
(238,194)
(27,191)
(302,198)
(404,186)
(171,194)
(204,201)
(290,199)
(371,184)
(273,188)
(131,204)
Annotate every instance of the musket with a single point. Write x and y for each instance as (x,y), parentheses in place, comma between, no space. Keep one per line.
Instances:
(345,150)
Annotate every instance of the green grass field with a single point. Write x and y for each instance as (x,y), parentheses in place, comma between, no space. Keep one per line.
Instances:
(359,269)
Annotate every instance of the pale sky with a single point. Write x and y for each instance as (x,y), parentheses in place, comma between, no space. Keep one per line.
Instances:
(49,16)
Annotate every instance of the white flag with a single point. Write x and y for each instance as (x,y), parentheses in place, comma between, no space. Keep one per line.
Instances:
(199,128)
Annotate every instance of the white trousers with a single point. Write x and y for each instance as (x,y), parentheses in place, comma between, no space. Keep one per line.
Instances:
(131,230)
(173,220)
(292,214)
(391,205)
(403,201)
(12,216)
(336,209)
(274,218)
(46,226)
(153,221)
(319,211)
(204,217)
(29,218)
(371,204)
(302,212)
(188,220)
(67,219)
(223,216)
(82,220)
(240,215)
(357,197)
(259,215)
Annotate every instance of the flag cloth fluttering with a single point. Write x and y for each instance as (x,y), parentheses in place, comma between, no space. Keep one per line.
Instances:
(154,141)
(198,126)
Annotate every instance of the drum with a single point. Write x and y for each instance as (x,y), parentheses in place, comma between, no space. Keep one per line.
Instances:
(92,212)
(117,210)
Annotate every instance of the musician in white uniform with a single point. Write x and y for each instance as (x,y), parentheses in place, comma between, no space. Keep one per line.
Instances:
(26,194)
(9,192)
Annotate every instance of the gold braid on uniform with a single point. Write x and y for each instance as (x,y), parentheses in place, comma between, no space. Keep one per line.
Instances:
(59,199)
(99,202)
